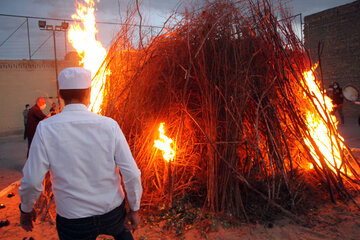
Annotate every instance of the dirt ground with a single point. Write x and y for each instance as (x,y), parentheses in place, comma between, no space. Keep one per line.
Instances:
(330,221)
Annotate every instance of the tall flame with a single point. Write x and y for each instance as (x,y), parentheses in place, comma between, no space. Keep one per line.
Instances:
(82,36)
(325,140)
(164,144)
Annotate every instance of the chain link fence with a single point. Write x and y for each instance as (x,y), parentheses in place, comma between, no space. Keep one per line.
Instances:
(21,37)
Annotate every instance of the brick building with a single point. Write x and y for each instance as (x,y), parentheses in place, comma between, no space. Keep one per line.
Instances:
(338,30)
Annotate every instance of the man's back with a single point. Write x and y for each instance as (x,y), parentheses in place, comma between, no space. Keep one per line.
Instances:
(81,149)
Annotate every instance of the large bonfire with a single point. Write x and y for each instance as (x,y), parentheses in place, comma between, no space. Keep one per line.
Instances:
(242,103)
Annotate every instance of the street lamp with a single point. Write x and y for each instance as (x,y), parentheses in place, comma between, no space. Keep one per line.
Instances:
(62,28)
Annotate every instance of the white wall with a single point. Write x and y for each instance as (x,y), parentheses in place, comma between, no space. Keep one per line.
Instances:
(21,82)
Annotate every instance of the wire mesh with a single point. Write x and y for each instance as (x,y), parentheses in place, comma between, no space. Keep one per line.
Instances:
(21,37)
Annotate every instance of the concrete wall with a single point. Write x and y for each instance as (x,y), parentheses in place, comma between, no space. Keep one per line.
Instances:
(338,29)
(21,82)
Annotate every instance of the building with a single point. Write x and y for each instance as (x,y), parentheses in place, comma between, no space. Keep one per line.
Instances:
(21,82)
(338,32)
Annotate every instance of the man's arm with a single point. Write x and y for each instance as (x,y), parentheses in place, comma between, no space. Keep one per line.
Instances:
(39,114)
(34,172)
(129,170)
(131,175)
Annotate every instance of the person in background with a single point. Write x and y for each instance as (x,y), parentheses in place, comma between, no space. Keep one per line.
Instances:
(83,152)
(53,110)
(338,100)
(25,115)
(34,117)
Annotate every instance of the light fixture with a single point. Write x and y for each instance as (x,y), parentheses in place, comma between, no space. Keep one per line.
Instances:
(64,25)
(42,24)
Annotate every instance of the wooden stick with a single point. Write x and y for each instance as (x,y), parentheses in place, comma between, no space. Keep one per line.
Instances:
(9,188)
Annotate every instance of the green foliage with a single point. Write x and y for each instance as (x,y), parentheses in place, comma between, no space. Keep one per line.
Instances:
(185,215)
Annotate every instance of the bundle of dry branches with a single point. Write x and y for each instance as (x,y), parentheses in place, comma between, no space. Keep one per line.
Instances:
(227,80)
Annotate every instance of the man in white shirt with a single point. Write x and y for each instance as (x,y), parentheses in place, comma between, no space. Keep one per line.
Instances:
(83,152)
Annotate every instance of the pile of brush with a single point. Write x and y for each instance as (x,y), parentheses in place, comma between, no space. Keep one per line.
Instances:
(227,80)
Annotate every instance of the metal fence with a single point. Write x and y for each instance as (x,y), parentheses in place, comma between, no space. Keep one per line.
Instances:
(21,37)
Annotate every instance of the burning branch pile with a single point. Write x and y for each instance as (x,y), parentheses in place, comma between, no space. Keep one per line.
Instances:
(240,99)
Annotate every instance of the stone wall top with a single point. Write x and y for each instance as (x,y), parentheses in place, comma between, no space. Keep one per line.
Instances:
(28,65)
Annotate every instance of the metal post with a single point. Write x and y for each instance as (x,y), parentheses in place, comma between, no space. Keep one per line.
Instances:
(301,29)
(56,70)
(28,36)
(65,43)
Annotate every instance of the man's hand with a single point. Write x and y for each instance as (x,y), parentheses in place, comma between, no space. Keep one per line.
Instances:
(27,219)
(133,221)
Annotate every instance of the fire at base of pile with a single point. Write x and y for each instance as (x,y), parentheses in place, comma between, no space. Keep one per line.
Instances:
(228,81)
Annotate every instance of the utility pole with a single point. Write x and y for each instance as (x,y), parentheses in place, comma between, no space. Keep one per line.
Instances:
(61,28)
(56,69)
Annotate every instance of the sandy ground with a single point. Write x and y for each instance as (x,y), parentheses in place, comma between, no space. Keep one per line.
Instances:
(340,221)
(330,221)
(12,159)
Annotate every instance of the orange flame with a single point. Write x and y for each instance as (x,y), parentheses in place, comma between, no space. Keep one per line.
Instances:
(164,144)
(325,140)
(82,36)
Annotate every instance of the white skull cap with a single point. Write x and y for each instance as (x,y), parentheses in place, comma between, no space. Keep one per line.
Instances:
(74,78)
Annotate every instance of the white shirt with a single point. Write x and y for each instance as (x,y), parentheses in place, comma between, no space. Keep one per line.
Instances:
(83,152)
